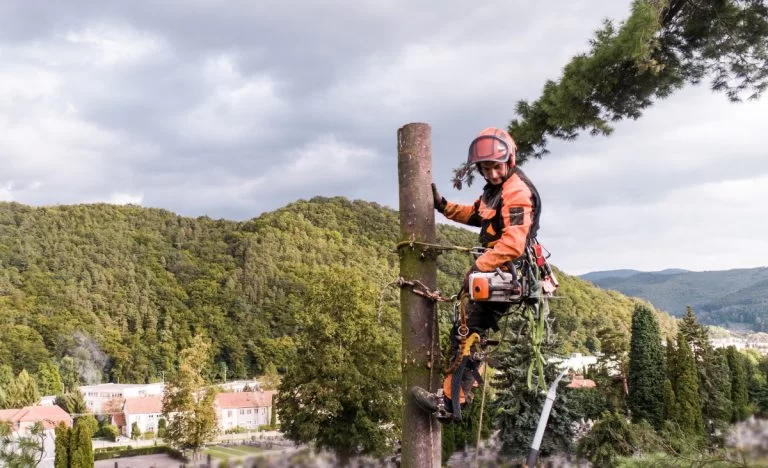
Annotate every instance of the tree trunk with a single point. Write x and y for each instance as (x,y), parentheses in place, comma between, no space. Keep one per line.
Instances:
(420,339)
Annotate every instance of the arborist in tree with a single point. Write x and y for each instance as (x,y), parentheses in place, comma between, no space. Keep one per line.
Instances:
(507,214)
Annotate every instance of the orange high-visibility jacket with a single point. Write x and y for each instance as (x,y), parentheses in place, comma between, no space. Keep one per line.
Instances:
(508,217)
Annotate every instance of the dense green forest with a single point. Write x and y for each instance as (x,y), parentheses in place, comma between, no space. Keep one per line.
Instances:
(121,289)
(731,298)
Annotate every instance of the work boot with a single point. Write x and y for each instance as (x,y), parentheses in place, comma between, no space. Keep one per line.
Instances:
(435,403)
(425,400)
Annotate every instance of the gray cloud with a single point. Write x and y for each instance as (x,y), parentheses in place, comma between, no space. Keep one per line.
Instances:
(233,108)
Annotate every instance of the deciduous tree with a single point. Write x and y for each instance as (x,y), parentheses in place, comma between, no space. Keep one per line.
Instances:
(343,391)
(188,402)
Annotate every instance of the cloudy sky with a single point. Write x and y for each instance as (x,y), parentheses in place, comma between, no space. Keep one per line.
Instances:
(230,109)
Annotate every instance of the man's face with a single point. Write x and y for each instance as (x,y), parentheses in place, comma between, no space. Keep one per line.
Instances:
(494,172)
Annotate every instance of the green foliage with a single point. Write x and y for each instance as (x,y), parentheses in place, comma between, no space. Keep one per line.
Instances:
(739,395)
(80,448)
(21,392)
(518,408)
(646,369)
(135,431)
(24,451)
(716,399)
(659,48)
(22,347)
(713,376)
(463,434)
(136,284)
(6,379)
(72,403)
(685,383)
(90,421)
(162,425)
(583,310)
(120,452)
(70,380)
(273,412)
(612,437)
(110,431)
(343,392)
(590,403)
(670,408)
(757,382)
(63,435)
(188,403)
(271,379)
(48,379)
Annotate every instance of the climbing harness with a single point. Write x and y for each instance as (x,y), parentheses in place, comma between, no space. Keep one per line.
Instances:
(528,282)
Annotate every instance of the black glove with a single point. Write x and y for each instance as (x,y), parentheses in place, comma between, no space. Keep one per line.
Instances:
(439,200)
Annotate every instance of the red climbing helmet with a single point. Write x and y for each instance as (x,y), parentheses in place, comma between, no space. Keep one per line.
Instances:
(492,144)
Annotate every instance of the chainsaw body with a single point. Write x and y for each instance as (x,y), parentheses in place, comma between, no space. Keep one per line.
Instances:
(494,286)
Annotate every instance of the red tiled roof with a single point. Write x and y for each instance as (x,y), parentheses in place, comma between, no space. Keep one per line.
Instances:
(143,405)
(50,416)
(233,400)
(581,382)
(118,419)
(8,414)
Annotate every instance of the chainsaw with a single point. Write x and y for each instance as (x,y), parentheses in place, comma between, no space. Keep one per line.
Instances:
(505,285)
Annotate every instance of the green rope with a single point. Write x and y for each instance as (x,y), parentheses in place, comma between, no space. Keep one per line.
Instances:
(537,326)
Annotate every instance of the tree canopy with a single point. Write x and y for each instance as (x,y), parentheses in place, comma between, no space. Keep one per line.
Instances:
(114,293)
(662,46)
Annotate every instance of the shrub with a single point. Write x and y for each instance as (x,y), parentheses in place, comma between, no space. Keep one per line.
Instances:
(110,431)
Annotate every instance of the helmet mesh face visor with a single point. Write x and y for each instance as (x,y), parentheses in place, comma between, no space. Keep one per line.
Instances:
(488,148)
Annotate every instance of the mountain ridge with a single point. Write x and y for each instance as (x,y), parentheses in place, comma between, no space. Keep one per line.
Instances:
(124,288)
(736,298)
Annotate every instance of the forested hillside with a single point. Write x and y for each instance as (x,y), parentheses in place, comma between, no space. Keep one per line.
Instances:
(122,289)
(730,298)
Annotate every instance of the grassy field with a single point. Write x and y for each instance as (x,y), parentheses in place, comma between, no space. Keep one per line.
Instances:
(220,452)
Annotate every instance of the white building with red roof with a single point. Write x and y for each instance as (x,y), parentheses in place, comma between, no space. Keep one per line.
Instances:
(145,411)
(23,419)
(97,396)
(247,410)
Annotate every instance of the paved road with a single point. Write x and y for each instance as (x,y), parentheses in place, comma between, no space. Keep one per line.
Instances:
(144,461)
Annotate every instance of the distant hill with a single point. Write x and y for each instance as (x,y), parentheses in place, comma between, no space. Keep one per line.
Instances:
(124,288)
(602,275)
(735,299)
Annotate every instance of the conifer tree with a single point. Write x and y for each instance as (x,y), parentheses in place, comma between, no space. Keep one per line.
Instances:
(646,368)
(714,379)
(21,450)
(659,48)
(687,402)
(717,408)
(22,391)
(739,396)
(81,449)
(72,402)
(670,404)
(63,434)
(518,408)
